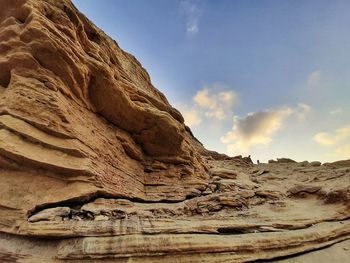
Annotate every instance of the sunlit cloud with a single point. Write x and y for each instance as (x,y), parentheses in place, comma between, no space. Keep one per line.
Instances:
(192,117)
(340,135)
(338,142)
(202,98)
(215,104)
(324,138)
(259,128)
(192,13)
(211,103)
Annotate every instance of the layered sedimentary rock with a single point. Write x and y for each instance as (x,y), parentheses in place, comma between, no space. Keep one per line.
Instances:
(97,166)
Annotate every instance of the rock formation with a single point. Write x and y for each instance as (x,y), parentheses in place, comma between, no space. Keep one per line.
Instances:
(97,166)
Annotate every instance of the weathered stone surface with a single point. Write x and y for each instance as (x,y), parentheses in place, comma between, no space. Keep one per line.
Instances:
(56,213)
(95,160)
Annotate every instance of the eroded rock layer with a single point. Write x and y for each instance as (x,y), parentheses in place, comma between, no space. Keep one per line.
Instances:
(96,161)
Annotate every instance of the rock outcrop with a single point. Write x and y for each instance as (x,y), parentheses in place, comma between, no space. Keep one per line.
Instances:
(97,166)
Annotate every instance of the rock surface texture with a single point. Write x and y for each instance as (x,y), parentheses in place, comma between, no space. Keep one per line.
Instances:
(97,166)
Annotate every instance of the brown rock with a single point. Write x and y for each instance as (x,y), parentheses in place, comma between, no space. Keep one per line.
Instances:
(315,163)
(342,163)
(269,194)
(297,189)
(224,173)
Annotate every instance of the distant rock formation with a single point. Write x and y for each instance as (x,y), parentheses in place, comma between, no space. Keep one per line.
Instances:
(97,166)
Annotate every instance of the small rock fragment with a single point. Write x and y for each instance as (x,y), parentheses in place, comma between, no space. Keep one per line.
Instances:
(101,218)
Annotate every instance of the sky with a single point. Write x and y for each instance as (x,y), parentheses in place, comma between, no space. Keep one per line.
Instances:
(265,78)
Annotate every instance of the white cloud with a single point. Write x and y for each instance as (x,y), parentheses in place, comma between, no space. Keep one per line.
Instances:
(216,104)
(192,117)
(202,98)
(336,111)
(258,128)
(314,79)
(192,14)
(338,136)
(212,102)
(192,26)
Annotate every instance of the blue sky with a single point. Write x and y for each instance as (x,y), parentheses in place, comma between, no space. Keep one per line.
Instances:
(265,78)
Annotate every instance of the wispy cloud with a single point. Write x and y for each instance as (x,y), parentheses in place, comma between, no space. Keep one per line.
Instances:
(324,138)
(190,10)
(314,79)
(336,111)
(338,142)
(258,128)
(340,135)
(302,111)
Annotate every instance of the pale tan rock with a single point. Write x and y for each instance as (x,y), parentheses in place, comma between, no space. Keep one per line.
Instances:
(49,214)
(101,218)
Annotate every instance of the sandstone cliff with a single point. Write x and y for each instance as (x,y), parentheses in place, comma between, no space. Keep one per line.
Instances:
(97,166)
